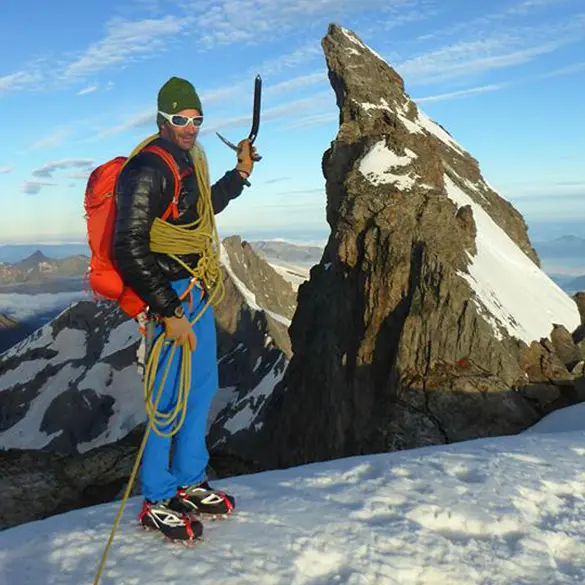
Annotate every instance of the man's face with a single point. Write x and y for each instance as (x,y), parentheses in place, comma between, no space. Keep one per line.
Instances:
(183,136)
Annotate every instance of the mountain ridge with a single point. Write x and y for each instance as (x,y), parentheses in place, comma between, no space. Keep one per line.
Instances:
(71,395)
(414,325)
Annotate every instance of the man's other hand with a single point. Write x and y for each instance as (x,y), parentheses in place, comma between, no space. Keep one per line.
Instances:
(181,331)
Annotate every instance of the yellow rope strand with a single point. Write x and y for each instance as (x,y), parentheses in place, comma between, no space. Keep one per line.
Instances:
(199,237)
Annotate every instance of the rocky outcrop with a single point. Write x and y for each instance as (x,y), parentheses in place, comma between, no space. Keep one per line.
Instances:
(580,301)
(263,285)
(7,322)
(62,482)
(12,331)
(423,322)
(579,334)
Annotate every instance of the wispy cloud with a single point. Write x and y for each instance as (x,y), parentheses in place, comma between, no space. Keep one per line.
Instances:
(297,82)
(144,118)
(483,26)
(149,6)
(81,175)
(568,70)
(277,180)
(462,93)
(292,108)
(497,41)
(313,120)
(88,89)
(34,187)
(526,6)
(501,50)
(406,12)
(54,139)
(125,41)
(300,56)
(6,169)
(22,306)
(19,80)
(47,170)
(546,190)
(250,22)
(147,116)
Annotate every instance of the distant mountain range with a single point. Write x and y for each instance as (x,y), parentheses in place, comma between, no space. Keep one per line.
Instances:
(39,269)
(563,247)
(48,283)
(301,255)
(17,252)
(567,246)
(564,260)
(38,275)
(52,268)
(285,252)
(570,284)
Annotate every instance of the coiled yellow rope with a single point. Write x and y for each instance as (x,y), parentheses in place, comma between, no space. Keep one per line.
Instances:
(199,237)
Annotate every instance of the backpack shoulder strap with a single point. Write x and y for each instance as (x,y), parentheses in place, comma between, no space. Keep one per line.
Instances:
(171,163)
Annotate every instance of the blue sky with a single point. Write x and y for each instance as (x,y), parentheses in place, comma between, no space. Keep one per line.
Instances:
(78,85)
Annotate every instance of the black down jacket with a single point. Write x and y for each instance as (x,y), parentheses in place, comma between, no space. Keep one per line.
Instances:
(144,191)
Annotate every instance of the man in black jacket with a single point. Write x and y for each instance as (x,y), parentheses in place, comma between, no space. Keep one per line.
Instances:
(144,191)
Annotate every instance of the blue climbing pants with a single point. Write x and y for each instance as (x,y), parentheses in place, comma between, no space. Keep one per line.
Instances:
(160,479)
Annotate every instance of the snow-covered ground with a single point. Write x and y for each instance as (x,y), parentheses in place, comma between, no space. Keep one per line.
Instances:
(504,511)
(293,274)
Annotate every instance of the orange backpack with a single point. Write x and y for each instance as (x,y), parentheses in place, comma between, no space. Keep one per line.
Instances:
(100,207)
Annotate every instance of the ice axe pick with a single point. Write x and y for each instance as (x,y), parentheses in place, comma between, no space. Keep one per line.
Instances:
(255,123)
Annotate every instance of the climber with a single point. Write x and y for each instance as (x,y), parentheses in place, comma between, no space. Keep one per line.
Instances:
(175,493)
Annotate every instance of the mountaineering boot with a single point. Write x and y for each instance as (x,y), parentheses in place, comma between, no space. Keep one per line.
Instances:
(173,524)
(202,499)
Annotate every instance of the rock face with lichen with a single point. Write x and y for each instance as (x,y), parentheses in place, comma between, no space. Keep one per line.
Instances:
(428,319)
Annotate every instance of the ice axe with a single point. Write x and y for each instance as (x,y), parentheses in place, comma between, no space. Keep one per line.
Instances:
(255,123)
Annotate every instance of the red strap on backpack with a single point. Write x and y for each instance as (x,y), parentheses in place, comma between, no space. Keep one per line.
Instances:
(168,158)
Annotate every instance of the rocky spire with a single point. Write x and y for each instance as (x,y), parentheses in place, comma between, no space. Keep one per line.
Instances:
(415,327)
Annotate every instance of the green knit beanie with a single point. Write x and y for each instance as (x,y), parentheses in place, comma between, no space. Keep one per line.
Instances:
(178,94)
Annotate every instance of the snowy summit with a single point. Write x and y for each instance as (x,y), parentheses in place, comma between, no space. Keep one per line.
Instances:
(505,511)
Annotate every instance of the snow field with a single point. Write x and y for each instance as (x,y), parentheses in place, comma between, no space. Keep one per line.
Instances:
(505,511)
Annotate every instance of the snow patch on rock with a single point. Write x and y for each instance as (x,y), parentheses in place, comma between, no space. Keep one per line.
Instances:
(378,163)
(511,291)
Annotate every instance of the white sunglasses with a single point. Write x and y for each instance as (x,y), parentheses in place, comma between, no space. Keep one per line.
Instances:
(179,120)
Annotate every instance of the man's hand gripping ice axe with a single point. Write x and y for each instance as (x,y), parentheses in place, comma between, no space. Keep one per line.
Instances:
(247,154)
